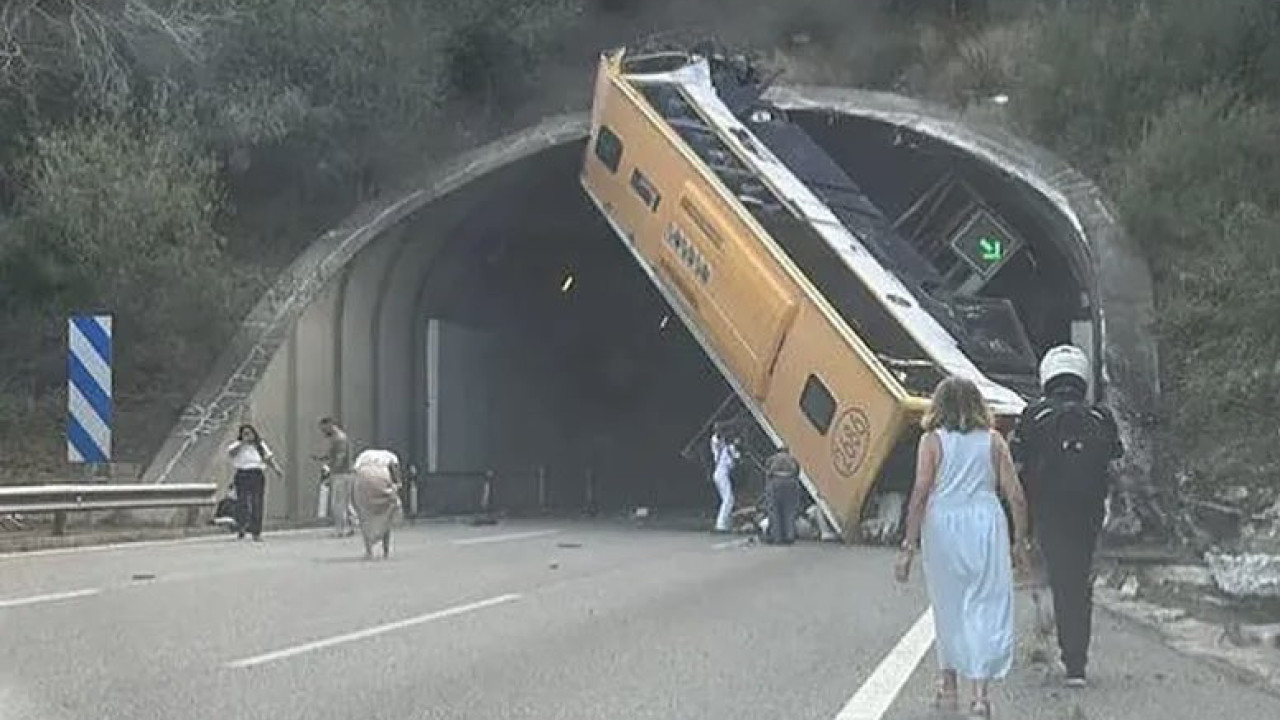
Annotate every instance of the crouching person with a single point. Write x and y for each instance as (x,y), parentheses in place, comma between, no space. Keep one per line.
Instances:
(376,497)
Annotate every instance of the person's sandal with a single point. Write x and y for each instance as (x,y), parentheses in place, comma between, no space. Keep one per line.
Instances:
(980,709)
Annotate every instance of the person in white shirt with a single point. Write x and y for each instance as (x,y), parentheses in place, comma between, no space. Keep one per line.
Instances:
(250,458)
(724,456)
(377,497)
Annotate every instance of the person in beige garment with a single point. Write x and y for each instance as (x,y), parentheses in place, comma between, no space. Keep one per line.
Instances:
(377,497)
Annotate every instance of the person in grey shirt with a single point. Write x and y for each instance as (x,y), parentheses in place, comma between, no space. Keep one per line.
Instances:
(782,495)
(338,462)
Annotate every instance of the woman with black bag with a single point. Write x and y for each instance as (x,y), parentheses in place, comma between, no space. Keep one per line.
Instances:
(250,457)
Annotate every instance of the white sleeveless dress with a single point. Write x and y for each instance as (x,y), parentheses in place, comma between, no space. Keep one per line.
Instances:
(967,562)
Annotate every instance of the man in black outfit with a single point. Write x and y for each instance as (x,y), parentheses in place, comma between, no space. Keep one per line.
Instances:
(1065,446)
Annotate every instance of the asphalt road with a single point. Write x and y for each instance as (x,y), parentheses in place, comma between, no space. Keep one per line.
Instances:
(521,620)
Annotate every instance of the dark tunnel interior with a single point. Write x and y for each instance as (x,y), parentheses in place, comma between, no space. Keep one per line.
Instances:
(592,372)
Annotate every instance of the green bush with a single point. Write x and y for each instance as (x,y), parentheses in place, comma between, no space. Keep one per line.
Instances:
(1198,192)
(116,215)
(1098,70)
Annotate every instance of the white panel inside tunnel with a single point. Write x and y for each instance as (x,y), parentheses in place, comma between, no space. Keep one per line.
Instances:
(431,403)
(460,391)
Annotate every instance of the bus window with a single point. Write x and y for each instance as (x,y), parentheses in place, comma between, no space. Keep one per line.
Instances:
(818,404)
(609,148)
(645,189)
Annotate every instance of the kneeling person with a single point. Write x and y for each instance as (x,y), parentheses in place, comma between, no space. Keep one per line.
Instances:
(376,497)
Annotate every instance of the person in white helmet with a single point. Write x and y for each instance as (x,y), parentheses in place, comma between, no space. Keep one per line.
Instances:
(725,453)
(1065,446)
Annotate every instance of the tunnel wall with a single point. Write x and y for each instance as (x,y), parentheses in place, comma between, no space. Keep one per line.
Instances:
(333,335)
(250,380)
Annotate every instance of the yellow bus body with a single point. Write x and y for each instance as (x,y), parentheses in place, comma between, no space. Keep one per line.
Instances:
(808,378)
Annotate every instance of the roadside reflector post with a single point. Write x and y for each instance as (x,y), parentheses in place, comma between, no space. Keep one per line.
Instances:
(486,490)
(89,396)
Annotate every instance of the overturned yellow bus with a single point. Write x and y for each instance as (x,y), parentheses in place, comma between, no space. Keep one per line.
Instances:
(803,309)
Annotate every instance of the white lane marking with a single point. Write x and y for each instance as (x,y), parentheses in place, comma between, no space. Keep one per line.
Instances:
(53,552)
(504,538)
(877,694)
(370,632)
(731,544)
(52,597)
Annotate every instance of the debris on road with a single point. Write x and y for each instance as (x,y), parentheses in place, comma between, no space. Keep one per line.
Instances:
(885,525)
(1246,575)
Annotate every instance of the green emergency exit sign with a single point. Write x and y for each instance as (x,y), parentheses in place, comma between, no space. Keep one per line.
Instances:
(985,243)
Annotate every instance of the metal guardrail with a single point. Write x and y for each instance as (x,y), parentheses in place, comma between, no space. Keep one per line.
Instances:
(454,492)
(62,499)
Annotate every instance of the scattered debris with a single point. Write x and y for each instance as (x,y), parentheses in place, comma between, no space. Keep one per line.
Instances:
(1194,576)
(12,522)
(1234,495)
(139,577)
(1246,575)
(1130,587)
(1198,638)
(885,525)
(554,566)
(568,545)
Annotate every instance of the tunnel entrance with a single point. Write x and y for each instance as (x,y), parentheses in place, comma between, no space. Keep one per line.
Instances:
(545,348)
(488,319)
(553,351)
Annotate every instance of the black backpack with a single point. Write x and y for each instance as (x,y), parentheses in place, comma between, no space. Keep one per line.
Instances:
(1075,445)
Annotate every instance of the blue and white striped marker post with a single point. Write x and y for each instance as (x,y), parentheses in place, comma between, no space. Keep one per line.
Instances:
(89,389)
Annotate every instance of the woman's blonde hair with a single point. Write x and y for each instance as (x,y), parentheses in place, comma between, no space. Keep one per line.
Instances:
(957,406)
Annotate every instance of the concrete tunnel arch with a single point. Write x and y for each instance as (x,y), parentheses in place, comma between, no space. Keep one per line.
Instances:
(336,333)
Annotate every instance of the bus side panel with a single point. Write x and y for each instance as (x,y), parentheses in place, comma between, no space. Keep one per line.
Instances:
(751,294)
(838,419)
(741,302)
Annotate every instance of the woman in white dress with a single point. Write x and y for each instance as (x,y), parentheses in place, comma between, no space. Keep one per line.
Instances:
(962,464)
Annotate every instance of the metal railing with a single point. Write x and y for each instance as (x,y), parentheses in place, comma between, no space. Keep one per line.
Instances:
(62,499)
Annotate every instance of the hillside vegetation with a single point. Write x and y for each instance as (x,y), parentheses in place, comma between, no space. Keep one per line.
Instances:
(161,158)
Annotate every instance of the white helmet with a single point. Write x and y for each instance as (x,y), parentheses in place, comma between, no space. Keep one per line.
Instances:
(1064,360)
